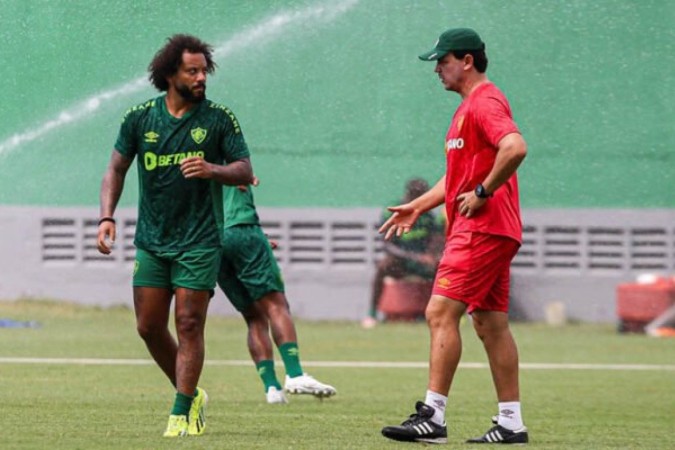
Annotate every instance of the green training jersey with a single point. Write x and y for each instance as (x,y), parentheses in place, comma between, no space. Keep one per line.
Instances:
(175,213)
(239,207)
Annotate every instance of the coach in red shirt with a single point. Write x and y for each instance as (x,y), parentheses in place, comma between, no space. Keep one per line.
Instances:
(483,149)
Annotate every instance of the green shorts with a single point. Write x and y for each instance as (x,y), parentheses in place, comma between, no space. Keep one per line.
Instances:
(193,269)
(248,268)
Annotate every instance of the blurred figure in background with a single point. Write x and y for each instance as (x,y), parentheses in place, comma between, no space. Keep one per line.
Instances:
(414,254)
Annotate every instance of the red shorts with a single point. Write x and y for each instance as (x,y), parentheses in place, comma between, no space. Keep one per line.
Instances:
(475,269)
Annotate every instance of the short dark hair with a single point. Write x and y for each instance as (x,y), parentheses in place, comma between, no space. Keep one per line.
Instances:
(416,187)
(480,60)
(168,59)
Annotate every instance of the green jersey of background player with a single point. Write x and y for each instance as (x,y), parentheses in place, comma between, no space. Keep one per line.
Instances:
(250,278)
(186,148)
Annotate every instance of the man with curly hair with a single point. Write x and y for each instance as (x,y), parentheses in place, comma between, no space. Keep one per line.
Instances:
(186,148)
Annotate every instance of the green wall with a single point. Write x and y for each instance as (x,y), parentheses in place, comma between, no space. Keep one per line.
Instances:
(336,107)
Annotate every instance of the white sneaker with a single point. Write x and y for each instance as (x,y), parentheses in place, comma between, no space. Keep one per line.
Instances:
(306,384)
(274,395)
(369,323)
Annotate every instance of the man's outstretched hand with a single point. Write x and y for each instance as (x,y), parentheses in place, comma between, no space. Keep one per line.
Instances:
(401,221)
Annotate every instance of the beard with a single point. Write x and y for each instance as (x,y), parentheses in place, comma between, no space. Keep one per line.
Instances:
(186,93)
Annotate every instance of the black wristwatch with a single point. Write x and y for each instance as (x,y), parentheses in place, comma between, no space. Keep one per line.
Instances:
(481,192)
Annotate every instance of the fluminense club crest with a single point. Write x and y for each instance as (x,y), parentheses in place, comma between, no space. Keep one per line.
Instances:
(198,135)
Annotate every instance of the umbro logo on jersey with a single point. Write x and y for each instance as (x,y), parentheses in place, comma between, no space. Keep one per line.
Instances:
(151,137)
(198,135)
(443,283)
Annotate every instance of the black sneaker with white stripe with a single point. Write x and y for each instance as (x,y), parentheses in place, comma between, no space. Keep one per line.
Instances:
(418,428)
(500,435)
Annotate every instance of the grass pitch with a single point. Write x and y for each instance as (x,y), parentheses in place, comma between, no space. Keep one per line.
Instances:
(83,380)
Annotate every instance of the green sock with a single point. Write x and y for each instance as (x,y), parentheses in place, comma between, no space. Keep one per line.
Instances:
(181,406)
(267,374)
(291,356)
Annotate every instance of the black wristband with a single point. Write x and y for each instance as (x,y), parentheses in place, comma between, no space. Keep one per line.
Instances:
(106,219)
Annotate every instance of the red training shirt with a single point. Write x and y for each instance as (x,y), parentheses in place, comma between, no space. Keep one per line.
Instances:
(479,123)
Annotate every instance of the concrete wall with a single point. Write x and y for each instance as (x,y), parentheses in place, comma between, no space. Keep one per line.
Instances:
(576,257)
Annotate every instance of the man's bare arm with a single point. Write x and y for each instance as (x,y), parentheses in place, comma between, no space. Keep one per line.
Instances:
(511,151)
(111,191)
(235,173)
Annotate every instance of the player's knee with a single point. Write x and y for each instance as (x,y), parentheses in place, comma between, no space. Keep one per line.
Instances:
(434,314)
(148,330)
(487,330)
(442,314)
(480,332)
(255,318)
(188,325)
(279,308)
(480,326)
(274,303)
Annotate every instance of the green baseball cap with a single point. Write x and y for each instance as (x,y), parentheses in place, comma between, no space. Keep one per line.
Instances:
(454,39)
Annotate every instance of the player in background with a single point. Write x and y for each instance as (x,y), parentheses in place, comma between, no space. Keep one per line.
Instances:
(251,279)
(483,149)
(413,255)
(186,148)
